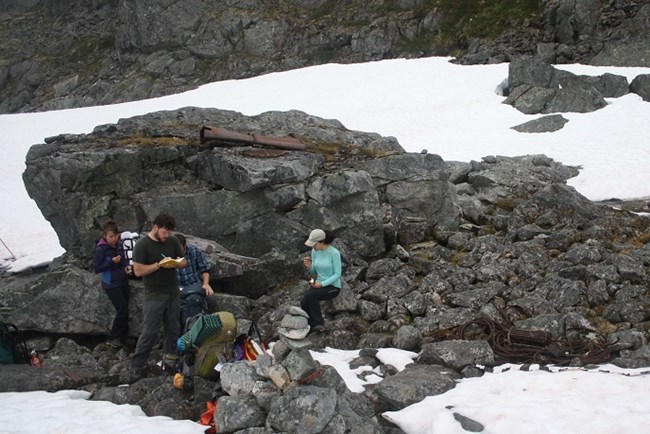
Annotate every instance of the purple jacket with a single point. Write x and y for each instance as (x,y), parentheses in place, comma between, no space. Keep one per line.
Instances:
(112,274)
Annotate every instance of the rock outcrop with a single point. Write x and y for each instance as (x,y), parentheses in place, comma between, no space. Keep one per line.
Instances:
(537,87)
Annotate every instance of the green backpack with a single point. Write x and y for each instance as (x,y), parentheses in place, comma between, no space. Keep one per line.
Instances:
(209,341)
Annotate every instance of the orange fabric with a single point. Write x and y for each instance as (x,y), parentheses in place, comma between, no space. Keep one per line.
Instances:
(207,418)
(249,350)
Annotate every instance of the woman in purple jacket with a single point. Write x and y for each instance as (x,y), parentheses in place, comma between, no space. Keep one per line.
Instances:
(111,262)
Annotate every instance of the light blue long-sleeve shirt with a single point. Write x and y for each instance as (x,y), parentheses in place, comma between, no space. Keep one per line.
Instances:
(326,265)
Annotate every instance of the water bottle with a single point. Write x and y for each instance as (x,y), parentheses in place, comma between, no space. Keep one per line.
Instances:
(34,359)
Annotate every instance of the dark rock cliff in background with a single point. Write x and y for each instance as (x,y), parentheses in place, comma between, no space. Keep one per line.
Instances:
(56,55)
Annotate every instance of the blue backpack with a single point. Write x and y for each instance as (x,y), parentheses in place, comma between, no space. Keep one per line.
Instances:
(12,345)
(193,303)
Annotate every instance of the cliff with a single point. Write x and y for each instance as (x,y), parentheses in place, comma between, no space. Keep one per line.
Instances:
(56,55)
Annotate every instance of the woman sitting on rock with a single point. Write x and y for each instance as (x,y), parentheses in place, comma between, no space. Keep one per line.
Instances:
(325,265)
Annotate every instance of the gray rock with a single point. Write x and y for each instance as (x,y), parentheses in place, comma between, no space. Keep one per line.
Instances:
(295,310)
(468,424)
(344,302)
(238,378)
(407,338)
(473,299)
(545,124)
(263,364)
(388,287)
(299,363)
(550,323)
(382,268)
(641,86)
(583,254)
(609,85)
(24,378)
(294,322)
(537,87)
(627,340)
(303,409)
(629,269)
(67,353)
(370,311)
(412,385)
(294,334)
(234,413)
(355,414)
(55,290)
(634,359)
(457,354)
(265,391)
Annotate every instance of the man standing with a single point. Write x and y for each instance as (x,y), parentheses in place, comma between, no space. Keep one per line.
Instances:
(194,281)
(161,296)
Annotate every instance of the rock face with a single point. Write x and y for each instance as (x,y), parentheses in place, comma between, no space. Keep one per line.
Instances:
(431,250)
(254,207)
(537,87)
(571,31)
(109,51)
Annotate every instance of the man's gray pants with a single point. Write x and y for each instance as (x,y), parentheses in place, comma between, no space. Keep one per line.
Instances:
(154,312)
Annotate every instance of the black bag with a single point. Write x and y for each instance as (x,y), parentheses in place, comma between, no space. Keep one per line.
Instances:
(12,345)
(193,302)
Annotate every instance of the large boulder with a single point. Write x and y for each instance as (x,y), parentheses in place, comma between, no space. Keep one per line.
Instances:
(537,87)
(255,206)
(641,86)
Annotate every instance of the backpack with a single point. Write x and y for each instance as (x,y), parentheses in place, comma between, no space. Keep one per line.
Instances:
(12,345)
(193,303)
(127,242)
(209,341)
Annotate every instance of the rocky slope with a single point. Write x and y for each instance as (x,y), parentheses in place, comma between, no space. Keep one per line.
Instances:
(435,254)
(56,55)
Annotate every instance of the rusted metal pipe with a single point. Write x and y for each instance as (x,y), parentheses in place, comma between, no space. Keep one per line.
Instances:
(222,134)
(8,249)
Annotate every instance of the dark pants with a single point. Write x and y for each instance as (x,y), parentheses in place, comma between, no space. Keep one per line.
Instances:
(311,299)
(154,312)
(120,299)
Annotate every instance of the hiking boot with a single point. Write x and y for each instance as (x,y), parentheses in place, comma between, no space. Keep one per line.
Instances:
(114,343)
(132,375)
(169,364)
(316,329)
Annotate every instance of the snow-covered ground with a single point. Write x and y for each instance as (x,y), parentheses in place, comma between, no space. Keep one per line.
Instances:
(606,400)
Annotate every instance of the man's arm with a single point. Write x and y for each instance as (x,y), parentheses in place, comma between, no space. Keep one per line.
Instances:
(203,268)
(205,278)
(141,270)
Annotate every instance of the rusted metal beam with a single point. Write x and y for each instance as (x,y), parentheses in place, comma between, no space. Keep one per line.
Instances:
(222,134)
